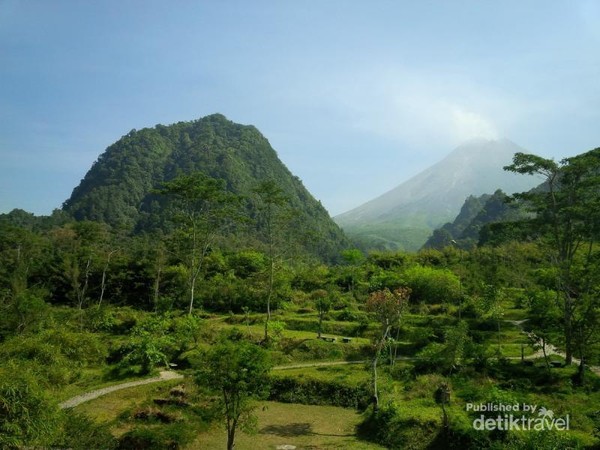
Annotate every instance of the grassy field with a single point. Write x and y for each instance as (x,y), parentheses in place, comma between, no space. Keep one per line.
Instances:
(317,373)
(302,426)
(108,408)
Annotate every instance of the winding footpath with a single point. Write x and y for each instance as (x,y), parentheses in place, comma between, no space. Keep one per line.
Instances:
(171,375)
(87,396)
(549,348)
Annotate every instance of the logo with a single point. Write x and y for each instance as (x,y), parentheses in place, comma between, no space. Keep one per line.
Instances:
(516,417)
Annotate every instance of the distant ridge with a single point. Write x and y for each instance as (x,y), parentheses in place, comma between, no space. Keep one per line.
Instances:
(405,216)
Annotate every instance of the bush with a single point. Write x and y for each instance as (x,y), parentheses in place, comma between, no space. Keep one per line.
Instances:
(81,433)
(319,392)
(151,438)
(394,430)
(313,350)
(432,285)
(53,355)
(331,327)
(347,315)
(28,416)
(82,348)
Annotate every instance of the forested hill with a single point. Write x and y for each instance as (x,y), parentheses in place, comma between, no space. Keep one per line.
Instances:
(472,224)
(119,189)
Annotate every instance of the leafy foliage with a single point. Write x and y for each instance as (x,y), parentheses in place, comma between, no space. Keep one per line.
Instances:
(238,371)
(28,416)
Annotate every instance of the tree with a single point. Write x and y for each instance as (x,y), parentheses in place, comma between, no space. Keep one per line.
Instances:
(322,301)
(21,306)
(567,214)
(109,246)
(586,331)
(75,247)
(149,344)
(273,213)
(492,307)
(387,308)
(353,258)
(239,371)
(204,209)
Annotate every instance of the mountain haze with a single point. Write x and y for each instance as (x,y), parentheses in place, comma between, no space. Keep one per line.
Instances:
(405,216)
(119,187)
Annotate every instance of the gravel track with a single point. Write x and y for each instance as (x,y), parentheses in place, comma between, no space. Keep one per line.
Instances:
(87,396)
(170,375)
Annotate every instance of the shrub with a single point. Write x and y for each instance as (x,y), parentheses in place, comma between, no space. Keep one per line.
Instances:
(432,285)
(313,350)
(148,437)
(82,348)
(28,416)
(394,430)
(319,392)
(79,432)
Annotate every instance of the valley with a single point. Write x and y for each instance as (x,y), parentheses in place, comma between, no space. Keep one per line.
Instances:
(228,310)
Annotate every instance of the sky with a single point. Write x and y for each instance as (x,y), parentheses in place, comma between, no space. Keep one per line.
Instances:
(355,96)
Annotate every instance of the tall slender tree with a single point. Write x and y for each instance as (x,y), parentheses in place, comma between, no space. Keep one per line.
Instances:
(567,215)
(387,308)
(239,372)
(273,217)
(204,208)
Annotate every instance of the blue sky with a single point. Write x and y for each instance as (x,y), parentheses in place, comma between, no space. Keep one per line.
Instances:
(355,96)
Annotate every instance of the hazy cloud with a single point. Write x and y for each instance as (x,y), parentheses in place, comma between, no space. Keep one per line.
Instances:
(414,109)
(469,125)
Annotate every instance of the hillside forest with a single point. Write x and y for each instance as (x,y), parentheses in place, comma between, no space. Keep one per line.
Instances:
(237,283)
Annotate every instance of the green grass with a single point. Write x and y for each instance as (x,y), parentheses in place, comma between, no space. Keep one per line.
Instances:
(257,331)
(351,374)
(93,378)
(308,426)
(278,423)
(304,426)
(107,408)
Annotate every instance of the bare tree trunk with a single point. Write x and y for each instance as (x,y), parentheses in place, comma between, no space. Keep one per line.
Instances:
(396,344)
(545,355)
(581,371)
(271,281)
(320,323)
(377,353)
(103,283)
(157,287)
(568,329)
(81,293)
(192,287)
(231,439)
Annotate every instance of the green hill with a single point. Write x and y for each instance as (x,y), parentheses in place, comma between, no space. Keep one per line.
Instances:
(474,218)
(118,189)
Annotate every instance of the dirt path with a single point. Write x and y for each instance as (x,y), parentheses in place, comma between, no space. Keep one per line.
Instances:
(549,348)
(87,396)
(170,375)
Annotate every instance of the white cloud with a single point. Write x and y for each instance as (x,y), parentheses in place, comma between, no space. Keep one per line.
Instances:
(414,109)
(469,125)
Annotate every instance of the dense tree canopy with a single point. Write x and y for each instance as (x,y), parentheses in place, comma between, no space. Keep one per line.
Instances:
(120,188)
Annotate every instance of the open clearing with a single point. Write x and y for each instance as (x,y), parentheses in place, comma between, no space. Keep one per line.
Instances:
(279,424)
(302,426)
